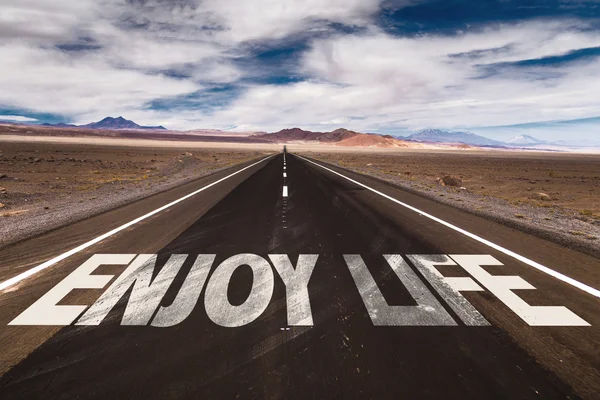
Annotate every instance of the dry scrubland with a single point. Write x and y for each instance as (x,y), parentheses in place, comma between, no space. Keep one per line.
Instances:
(49,181)
(45,185)
(556,195)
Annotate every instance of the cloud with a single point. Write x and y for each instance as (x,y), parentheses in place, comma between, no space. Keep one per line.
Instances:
(90,58)
(16,118)
(81,59)
(57,83)
(385,66)
(275,19)
(43,22)
(382,81)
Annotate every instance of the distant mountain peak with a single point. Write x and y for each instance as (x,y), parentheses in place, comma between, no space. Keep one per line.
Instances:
(470,138)
(300,134)
(341,130)
(109,123)
(441,136)
(113,123)
(524,140)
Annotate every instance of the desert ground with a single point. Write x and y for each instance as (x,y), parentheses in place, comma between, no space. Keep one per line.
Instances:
(48,183)
(52,180)
(7,130)
(556,195)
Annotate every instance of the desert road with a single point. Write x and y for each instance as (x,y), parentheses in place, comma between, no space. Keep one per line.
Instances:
(288,278)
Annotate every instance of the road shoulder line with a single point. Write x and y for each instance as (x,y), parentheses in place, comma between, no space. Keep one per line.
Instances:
(24,275)
(525,260)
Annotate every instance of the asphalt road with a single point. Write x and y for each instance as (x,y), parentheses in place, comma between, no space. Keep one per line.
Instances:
(358,317)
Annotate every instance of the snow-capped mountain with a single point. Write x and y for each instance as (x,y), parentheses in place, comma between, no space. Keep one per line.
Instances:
(525,140)
(440,136)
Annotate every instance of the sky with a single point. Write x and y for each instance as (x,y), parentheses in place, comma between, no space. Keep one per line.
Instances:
(495,67)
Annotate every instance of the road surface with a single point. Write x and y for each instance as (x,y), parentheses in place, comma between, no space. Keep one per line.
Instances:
(288,278)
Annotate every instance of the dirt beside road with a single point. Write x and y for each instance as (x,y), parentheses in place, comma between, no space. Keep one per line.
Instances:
(46,185)
(554,195)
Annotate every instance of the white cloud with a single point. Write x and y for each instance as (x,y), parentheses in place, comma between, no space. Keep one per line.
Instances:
(275,19)
(385,81)
(45,21)
(133,43)
(50,81)
(16,118)
(366,81)
(121,73)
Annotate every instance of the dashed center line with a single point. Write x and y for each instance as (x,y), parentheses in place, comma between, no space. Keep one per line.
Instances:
(284,192)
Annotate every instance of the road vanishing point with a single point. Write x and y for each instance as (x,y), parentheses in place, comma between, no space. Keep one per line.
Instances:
(288,278)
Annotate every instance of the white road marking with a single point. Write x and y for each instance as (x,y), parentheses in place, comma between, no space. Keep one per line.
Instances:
(14,280)
(296,280)
(188,295)
(450,287)
(284,175)
(45,310)
(283,220)
(216,301)
(502,287)
(525,260)
(146,293)
(427,312)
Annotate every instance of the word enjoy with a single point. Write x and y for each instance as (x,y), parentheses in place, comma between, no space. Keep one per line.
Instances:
(144,303)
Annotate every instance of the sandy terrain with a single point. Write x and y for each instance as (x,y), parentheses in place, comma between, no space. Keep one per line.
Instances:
(10,131)
(330,141)
(556,195)
(345,138)
(384,146)
(46,184)
(225,143)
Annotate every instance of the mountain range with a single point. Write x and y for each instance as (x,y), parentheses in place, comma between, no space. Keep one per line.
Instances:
(440,136)
(525,140)
(469,138)
(300,134)
(108,123)
(346,137)
(339,137)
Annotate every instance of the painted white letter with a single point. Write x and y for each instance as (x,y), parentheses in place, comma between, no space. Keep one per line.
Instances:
(188,295)
(296,286)
(46,312)
(216,302)
(145,296)
(450,287)
(427,312)
(502,286)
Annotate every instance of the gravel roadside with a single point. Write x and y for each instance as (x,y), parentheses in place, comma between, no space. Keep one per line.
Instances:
(39,214)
